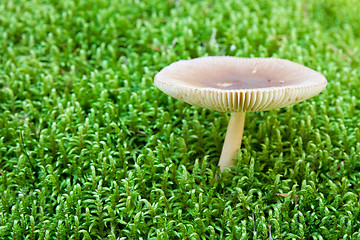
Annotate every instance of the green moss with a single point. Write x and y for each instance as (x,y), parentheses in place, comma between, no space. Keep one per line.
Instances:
(91,149)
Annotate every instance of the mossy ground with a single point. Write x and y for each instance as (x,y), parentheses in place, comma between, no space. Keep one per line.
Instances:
(91,149)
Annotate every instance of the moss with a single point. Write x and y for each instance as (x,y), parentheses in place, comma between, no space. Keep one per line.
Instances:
(91,149)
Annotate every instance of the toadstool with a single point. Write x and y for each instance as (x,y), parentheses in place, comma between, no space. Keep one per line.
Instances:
(239,85)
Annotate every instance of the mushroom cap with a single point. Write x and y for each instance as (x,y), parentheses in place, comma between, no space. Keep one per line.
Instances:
(233,84)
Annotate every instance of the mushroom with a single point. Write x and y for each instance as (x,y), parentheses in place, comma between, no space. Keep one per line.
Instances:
(239,85)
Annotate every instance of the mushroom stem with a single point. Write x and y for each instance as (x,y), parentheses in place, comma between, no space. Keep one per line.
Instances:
(233,139)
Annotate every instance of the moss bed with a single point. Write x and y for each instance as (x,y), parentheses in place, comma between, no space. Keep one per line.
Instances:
(91,149)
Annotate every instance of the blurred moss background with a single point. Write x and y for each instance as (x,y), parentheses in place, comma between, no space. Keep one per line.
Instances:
(91,149)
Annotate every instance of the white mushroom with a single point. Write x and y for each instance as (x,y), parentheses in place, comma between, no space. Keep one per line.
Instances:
(239,85)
